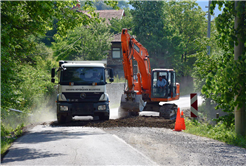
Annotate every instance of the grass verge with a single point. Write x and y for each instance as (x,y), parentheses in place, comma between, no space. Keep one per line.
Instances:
(8,136)
(218,132)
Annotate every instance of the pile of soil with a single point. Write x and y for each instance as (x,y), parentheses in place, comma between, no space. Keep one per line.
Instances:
(139,121)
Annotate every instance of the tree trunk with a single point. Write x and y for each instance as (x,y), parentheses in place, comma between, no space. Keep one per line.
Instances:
(240,121)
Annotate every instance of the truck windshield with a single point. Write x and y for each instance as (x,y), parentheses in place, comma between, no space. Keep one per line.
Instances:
(83,75)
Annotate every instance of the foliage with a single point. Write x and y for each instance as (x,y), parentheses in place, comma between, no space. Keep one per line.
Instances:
(50,34)
(224,82)
(148,18)
(219,75)
(8,135)
(118,24)
(218,132)
(117,79)
(162,28)
(25,61)
(84,43)
(189,20)
(104,5)
(22,22)
(225,23)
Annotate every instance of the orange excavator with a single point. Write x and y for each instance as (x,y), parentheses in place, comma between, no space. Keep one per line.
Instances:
(145,89)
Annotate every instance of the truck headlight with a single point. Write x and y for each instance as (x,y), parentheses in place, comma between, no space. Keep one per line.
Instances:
(101,107)
(63,108)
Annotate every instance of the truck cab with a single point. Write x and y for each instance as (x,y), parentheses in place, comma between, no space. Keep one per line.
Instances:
(82,90)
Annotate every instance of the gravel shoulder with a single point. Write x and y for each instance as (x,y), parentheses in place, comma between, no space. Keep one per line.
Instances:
(167,147)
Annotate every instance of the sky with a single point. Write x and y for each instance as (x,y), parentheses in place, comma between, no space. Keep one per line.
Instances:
(203,3)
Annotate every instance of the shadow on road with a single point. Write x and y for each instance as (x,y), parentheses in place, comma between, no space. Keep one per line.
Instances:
(22,154)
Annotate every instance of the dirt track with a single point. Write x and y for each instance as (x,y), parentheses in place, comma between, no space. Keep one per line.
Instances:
(140,121)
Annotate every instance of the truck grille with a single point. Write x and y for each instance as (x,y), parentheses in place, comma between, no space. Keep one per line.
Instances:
(89,97)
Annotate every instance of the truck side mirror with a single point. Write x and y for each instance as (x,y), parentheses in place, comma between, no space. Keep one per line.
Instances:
(111,80)
(52,75)
(111,75)
(53,72)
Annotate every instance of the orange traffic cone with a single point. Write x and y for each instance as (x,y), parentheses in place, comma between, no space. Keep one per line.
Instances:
(182,120)
(178,123)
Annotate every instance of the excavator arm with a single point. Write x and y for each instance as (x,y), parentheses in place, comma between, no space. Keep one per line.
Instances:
(132,49)
(136,90)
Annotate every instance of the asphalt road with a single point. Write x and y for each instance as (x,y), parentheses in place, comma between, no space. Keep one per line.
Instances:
(45,145)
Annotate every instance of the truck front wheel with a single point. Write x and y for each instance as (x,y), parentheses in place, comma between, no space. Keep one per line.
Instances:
(63,118)
(103,117)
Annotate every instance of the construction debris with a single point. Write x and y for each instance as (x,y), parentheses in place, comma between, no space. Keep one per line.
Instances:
(132,121)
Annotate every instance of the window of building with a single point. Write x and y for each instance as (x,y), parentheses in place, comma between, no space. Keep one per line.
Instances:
(116,52)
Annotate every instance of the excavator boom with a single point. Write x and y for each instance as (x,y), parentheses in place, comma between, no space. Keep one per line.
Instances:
(132,49)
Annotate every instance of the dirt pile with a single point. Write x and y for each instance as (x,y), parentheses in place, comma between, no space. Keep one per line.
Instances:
(140,121)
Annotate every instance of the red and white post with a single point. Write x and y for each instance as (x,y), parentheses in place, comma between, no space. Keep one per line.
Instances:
(193,107)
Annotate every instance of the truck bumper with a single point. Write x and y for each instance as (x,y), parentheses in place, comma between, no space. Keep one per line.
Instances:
(83,109)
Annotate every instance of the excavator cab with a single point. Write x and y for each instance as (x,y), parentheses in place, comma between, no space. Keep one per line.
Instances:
(164,85)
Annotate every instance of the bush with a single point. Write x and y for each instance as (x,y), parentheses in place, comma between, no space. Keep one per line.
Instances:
(219,132)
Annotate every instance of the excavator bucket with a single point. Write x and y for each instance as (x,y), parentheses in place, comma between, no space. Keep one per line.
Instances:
(130,107)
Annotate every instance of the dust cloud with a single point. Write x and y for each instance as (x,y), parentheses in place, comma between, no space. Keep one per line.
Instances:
(46,110)
(43,114)
(115,90)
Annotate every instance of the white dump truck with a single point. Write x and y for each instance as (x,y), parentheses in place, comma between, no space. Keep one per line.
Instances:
(82,89)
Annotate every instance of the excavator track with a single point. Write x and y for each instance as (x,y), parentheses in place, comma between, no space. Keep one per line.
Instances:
(168,111)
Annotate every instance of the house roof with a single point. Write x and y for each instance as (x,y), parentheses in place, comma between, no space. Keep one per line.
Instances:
(117,38)
(109,14)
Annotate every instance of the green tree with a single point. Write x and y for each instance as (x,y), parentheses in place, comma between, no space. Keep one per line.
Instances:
(84,43)
(169,31)
(151,28)
(22,23)
(101,5)
(189,21)
(224,76)
(118,24)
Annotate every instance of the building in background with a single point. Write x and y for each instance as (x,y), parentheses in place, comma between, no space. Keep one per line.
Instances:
(114,58)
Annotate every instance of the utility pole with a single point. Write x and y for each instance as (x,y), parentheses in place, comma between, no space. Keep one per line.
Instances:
(240,121)
(209,24)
